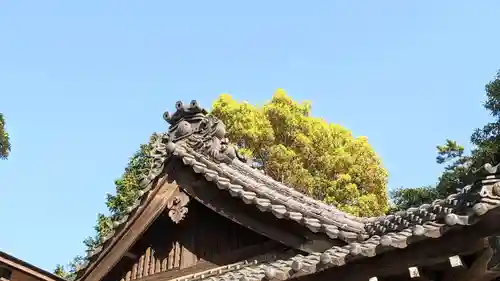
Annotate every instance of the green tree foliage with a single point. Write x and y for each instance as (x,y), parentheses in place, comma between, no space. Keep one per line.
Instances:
(487,139)
(486,149)
(60,271)
(127,188)
(4,139)
(318,158)
(404,198)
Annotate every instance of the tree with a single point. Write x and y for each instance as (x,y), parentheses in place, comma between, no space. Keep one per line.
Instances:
(4,139)
(486,149)
(127,191)
(487,139)
(318,158)
(321,159)
(61,272)
(449,182)
(404,198)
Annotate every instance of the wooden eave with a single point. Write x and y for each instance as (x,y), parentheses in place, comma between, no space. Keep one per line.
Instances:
(211,171)
(153,204)
(220,202)
(27,268)
(175,179)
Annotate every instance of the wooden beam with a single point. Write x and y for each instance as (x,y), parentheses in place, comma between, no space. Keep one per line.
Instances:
(462,241)
(459,241)
(485,266)
(131,255)
(124,240)
(494,262)
(26,269)
(231,208)
(247,253)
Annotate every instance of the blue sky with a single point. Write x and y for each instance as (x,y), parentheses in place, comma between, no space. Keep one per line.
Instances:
(83,83)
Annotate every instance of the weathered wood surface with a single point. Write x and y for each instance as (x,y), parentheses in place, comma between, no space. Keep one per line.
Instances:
(177,206)
(421,254)
(284,231)
(203,239)
(485,266)
(130,233)
(247,253)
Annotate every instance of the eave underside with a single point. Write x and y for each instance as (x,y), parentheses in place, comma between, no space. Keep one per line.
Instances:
(329,239)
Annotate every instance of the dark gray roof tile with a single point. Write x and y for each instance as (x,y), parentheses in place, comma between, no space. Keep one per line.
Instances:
(200,144)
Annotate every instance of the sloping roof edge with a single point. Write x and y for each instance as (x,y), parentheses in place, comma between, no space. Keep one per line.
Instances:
(199,140)
(155,197)
(28,267)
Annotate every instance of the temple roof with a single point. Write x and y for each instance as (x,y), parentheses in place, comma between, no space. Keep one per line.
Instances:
(27,268)
(198,139)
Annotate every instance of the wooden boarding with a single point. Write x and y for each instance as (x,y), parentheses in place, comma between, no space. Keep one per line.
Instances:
(204,211)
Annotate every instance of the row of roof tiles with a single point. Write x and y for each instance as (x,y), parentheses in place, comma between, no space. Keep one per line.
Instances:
(455,209)
(427,221)
(268,195)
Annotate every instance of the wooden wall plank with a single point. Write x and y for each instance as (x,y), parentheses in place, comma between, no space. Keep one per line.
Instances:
(201,236)
(177,255)
(140,267)
(134,271)
(170,258)
(152,262)
(147,256)
(197,239)
(157,266)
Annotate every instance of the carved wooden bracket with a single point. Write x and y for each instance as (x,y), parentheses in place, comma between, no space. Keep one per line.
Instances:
(494,262)
(176,206)
(487,263)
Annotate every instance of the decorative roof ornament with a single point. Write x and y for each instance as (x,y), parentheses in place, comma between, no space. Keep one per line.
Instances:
(192,127)
(199,139)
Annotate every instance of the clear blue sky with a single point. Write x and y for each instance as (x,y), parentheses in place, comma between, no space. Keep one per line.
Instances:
(83,83)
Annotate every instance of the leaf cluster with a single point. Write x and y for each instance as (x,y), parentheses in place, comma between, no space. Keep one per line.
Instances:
(318,158)
(486,149)
(5,145)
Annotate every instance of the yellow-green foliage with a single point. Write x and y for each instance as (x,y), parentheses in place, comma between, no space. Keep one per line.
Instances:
(320,159)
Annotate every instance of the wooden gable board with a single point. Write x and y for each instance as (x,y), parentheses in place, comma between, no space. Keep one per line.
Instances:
(20,265)
(217,162)
(136,225)
(174,180)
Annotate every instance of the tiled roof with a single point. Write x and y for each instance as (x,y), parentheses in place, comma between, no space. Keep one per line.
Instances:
(376,244)
(198,139)
(279,200)
(209,154)
(23,266)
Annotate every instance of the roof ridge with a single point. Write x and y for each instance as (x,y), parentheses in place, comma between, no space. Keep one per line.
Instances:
(447,208)
(199,140)
(471,204)
(257,175)
(325,210)
(27,267)
(204,133)
(268,200)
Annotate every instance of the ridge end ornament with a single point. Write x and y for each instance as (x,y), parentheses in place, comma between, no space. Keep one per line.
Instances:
(191,125)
